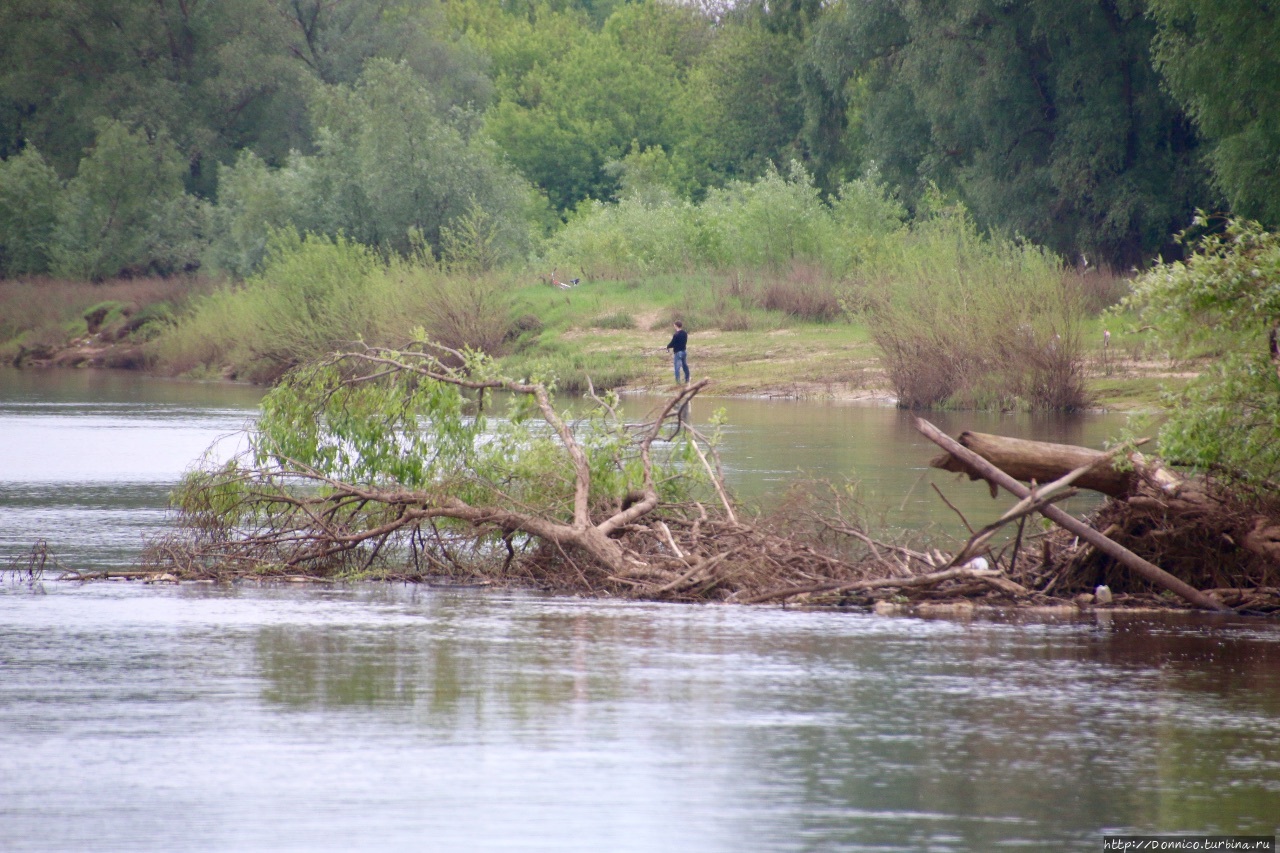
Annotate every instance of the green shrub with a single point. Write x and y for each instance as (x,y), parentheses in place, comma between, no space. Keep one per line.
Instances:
(29,197)
(1227,421)
(316,294)
(968,320)
(462,312)
(775,223)
(769,223)
(313,294)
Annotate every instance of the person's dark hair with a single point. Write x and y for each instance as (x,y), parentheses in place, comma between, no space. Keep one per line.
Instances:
(679,324)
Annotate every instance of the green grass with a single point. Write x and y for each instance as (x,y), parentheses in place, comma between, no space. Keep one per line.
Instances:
(773,353)
(745,349)
(614,332)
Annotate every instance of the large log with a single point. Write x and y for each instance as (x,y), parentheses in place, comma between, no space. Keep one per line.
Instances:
(994,475)
(1044,462)
(1145,484)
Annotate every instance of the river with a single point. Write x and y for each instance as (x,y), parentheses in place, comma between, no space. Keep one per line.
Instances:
(203,717)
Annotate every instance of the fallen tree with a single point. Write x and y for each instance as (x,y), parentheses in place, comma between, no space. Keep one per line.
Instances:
(1204,532)
(385,463)
(424,463)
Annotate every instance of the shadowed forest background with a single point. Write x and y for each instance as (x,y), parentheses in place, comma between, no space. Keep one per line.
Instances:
(158,137)
(234,188)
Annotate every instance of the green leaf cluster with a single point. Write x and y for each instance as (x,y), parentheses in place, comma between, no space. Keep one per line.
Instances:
(1046,118)
(1220,61)
(1227,421)
(770,223)
(476,127)
(405,430)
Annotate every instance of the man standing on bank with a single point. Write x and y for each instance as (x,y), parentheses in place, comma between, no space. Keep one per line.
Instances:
(677,346)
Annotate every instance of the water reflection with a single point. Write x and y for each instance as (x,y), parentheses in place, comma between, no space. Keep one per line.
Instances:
(769,444)
(207,717)
(846,729)
(385,717)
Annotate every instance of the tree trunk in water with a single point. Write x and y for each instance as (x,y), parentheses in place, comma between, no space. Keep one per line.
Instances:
(994,475)
(1147,484)
(1044,462)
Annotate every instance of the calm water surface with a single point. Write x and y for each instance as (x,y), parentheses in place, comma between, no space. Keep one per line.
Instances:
(198,717)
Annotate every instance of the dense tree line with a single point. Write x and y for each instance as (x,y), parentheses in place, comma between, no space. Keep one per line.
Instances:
(161,135)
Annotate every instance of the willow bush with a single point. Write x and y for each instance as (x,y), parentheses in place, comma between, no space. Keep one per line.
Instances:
(1227,421)
(968,320)
(317,293)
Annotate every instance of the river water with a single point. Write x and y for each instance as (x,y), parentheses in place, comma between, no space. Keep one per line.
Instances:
(202,717)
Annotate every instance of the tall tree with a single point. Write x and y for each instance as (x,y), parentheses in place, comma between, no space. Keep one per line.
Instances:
(118,213)
(217,76)
(1221,62)
(195,70)
(749,108)
(29,195)
(584,99)
(389,168)
(1046,117)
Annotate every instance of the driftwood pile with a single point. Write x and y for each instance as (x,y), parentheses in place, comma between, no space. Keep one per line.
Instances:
(1162,539)
(1160,534)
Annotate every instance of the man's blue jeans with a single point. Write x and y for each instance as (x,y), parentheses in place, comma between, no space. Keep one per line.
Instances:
(680,360)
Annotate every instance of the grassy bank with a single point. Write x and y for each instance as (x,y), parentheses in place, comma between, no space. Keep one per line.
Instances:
(617,331)
(612,331)
(48,321)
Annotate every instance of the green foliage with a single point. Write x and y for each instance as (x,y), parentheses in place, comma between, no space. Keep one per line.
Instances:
(461,312)
(255,201)
(206,74)
(125,210)
(1231,279)
(103,314)
(365,119)
(389,167)
(314,293)
(449,444)
(1046,117)
(218,78)
(653,176)
(767,223)
(968,321)
(586,107)
(747,100)
(1227,421)
(149,322)
(472,243)
(630,237)
(1221,63)
(390,171)
(29,193)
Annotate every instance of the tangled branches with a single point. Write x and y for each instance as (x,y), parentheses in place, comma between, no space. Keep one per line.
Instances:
(375,458)
(384,463)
